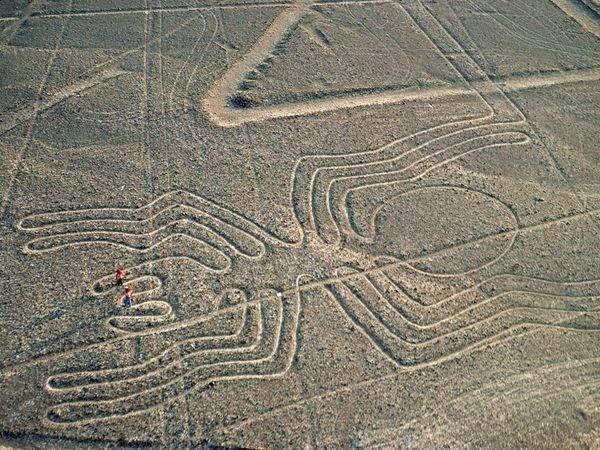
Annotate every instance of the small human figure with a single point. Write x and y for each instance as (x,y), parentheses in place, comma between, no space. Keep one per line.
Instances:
(85,293)
(119,276)
(128,298)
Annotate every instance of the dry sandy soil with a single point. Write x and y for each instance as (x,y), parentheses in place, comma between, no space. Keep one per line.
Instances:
(347,224)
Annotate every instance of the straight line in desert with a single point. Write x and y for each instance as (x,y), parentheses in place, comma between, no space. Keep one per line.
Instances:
(112,12)
(188,8)
(11,121)
(215,102)
(525,374)
(218,110)
(549,79)
(581,13)
(10,31)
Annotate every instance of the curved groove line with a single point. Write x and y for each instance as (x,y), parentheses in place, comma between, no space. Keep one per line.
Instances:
(374,325)
(114,387)
(123,214)
(78,238)
(74,380)
(278,351)
(408,349)
(417,177)
(477,305)
(93,225)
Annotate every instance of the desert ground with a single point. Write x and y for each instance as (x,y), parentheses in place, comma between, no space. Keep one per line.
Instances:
(346,223)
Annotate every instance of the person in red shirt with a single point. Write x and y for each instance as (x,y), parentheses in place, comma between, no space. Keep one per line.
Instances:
(128,298)
(119,276)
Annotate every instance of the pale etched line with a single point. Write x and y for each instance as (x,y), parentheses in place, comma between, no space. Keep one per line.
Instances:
(528,34)
(170,9)
(411,261)
(72,380)
(393,159)
(581,13)
(568,50)
(218,241)
(512,233)
(362,329)
(215,240)
(119,12)
(505,207)
(165,160)
(490,86)
(296,198)
(120,386)
(251,234)
(448,36)
(203,65)
(499,389)
(281,4)
(586,387)
(356,385)
(21,153)
(526,228)
(473,308)
(223,115)
(479,240)
(228,216)
(217,339)
(425,310)
(224,87)
(228,116)
(130,118)
(191,53)
(542,392)
(369,238)
(188,323)
(144,107)
(232,117)
(404,352)
(187,99)
(277,29)
(15,50)
(511,332)
(105,239)
(11,369)
(20,223)
(9,32)
(9,122)
(64,235)
(142,46)
(524,140)
(408,152)
(116,322)
(285,325)
(123,324)
(476,344)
